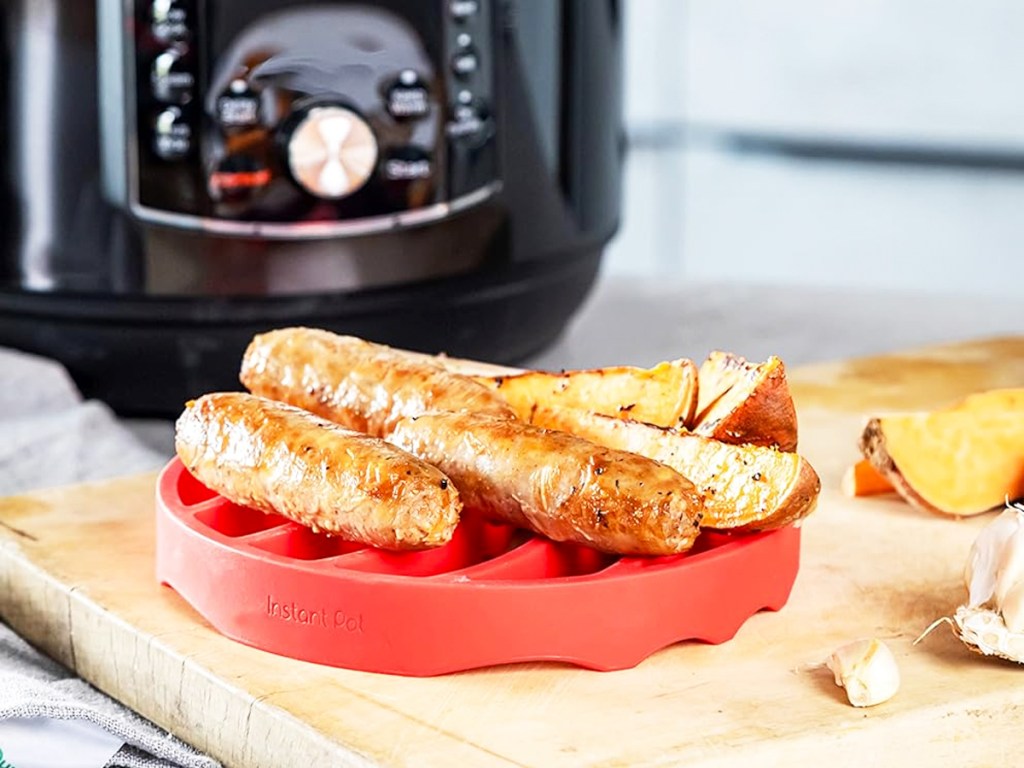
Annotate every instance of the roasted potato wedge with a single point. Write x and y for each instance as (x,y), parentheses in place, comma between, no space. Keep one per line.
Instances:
(741,402)
(962,460)
(742,487)
(665,395)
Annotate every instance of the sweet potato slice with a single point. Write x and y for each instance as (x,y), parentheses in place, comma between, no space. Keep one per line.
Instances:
(741,487)
(742,402)
(665,395)
(862,479)
(961,460)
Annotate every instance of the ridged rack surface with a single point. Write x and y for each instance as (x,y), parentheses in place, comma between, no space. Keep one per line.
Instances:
(492,595)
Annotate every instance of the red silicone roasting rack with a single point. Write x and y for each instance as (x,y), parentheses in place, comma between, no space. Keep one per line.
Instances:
(492,595)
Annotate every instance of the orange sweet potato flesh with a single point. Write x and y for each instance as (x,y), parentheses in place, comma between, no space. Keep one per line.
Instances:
(742,487)
(665,395)
(862,479)
(962,460)
(742,402)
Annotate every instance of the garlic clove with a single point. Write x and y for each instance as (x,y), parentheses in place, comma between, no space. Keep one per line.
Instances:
(1011,567)
(867,670)
(983,564)
(1012,608)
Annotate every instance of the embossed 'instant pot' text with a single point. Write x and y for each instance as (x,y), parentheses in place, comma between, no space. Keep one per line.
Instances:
(308,616)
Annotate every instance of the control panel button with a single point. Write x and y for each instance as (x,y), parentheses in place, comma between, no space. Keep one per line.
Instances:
(172,135)
(172,79)
(239,106)
(407,164)
(237,177)
(171,19)
(408,98)
(332,152)
(463,9)
(470,120)
(465,62)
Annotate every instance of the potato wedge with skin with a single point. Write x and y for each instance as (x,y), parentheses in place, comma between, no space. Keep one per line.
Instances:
(742,487)
(961,460)
(741,402)
(665,395)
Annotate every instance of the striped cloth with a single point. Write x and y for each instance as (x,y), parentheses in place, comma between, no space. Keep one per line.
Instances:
(49,436)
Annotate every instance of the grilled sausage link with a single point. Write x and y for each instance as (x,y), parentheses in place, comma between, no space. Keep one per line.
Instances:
(557,484)
(276,458)
(358,384)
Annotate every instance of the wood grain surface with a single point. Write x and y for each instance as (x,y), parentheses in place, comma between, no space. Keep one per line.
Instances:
(76,579)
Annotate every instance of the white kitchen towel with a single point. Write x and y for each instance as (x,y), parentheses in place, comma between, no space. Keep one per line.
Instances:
(49,437)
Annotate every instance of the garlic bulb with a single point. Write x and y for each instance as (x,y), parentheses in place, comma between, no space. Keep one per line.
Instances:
(1012,608)
(867,670)
(992,622)
(983,564)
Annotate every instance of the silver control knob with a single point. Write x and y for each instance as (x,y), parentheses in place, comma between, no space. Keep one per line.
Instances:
(332,152)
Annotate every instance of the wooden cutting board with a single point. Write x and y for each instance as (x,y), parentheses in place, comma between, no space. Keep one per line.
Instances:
(76,579)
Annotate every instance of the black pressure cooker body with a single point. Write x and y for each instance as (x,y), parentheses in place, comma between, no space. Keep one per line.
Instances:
(181,174)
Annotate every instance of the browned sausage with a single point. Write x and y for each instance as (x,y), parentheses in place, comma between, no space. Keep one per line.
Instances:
(560,485)
(276,458)
(364,386)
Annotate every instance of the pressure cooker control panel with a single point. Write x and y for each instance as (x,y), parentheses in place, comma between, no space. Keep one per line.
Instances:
(271,117)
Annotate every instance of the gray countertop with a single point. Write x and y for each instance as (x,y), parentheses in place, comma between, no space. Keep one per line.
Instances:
(642,321)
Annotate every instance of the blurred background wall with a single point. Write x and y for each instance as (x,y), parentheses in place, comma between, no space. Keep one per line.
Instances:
(875,143)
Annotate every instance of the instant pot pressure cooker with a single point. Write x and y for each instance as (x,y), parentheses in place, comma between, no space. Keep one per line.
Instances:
(181,174)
